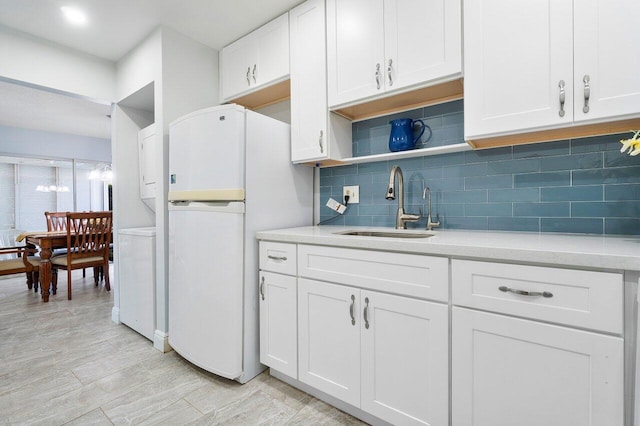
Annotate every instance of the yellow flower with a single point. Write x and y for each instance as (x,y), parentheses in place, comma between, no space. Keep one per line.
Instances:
(632,144)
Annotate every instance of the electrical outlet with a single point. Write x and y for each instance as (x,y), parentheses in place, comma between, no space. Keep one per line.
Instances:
(353,192)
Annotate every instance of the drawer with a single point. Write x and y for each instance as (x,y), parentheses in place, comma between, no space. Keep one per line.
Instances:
(405,274)
(587,299)
(278,257)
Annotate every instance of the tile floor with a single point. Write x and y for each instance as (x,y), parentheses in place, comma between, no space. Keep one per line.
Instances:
(66,362)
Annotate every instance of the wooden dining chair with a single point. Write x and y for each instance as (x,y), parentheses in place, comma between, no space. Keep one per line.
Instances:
(88,239)
(19,263)
(57,221)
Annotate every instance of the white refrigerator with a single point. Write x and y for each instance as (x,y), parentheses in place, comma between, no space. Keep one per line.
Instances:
(230,176)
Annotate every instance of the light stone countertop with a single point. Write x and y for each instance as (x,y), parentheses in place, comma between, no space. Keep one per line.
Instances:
(590,251)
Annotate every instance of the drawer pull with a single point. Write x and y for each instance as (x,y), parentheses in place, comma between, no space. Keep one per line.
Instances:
(282,258)
(524,292)
(366,313)
(262,288)
(561,86)
(353,303)
(587,93)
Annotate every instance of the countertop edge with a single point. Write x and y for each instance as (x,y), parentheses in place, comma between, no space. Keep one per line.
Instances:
(587,257)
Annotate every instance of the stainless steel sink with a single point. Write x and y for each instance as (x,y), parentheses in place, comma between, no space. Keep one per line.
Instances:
(387,234)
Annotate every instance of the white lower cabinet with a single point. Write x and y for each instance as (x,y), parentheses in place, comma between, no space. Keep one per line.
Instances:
(278,298)
(509,371)
(278,322)
(526,345)
(385,354)
(532,361)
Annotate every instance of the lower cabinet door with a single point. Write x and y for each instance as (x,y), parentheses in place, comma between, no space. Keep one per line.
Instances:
(509,371)
(329,339)
(278,323)
(405,359)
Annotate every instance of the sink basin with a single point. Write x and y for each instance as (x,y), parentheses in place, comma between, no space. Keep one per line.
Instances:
(387,234)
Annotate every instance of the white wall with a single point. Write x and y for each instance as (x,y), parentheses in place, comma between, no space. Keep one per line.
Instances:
(20,142)
(140,67)
(189,82)
(185,77)
(38,62)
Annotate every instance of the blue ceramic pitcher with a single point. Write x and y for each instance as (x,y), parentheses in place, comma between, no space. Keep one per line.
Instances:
(401,137)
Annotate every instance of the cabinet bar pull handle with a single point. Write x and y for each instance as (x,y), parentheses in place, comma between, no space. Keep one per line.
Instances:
(254,72)
(262,288)
(283,258)
(365,313)
(248,79)
(587,93)
(353,304)
(561,86)
(389,68)
(378,76)
(524,292)
(320,143)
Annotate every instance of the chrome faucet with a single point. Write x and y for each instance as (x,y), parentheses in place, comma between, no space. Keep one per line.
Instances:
(401,217)
(430,225)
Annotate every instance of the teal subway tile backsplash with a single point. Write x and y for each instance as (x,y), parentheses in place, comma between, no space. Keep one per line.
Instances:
(573,186)
(572,193)
(539,180)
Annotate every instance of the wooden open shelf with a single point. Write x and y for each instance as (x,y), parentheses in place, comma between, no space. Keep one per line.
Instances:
(390,156)
(440,93)
(579,131)
(267,96)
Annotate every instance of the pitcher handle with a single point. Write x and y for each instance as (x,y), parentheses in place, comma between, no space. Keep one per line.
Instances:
(421,130)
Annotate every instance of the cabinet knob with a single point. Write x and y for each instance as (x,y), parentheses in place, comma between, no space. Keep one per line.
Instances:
(320,143)
(378,76)
(587,93)
(389,69)
(562,95)
(248,79)
(253,74)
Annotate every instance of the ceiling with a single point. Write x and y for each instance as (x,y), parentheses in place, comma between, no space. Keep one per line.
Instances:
(114,28)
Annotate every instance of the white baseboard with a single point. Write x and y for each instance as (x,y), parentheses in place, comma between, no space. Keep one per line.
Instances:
(161,341)
(341,405)
(115,315)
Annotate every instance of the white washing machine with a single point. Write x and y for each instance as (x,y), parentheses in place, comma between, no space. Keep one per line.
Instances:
(137,279)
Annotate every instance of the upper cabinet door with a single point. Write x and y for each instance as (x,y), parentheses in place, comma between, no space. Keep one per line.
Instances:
(308,81)
(237,59)
(607,59)
(272,47)
(355,49)
(518,59)
(256,60)
(423,41)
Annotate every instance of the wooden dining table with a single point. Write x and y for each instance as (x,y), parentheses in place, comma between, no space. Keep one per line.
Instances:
(47,242)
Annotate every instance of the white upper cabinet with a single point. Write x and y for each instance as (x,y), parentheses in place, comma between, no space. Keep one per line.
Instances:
(606,54)
(375,47)
(257,60)
(532,65)
(312,136)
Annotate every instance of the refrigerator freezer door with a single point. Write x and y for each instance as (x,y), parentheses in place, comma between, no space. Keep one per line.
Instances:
(206,285)
(206,150)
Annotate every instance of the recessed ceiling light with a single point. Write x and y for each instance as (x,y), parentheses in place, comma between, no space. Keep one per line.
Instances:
(73,15)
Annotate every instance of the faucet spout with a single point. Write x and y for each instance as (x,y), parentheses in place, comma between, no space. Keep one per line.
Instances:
(401,217)
(430,224)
